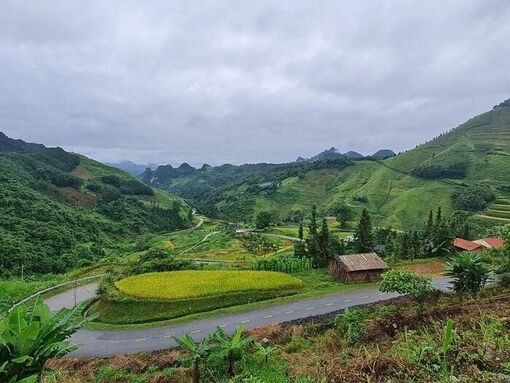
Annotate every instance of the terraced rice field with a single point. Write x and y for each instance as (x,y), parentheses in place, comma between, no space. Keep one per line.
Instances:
(189,284)
(499,212)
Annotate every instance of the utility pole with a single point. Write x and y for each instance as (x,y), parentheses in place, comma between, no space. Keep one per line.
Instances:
(22,271)
(75,287)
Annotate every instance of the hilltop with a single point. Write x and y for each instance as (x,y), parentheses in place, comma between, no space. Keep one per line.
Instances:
(399,191)
(61,210)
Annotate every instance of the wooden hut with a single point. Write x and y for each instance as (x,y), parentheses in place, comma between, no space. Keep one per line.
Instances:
(366,267)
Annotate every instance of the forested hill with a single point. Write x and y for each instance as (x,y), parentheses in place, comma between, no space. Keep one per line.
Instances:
(451,171)
(60,210)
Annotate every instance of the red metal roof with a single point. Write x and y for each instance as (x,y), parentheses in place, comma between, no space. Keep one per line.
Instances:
(466,245)
(494,242)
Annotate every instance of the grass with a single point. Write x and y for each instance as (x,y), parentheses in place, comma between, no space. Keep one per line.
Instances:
(176,285)
(13,290)
(146,311)
(317,283)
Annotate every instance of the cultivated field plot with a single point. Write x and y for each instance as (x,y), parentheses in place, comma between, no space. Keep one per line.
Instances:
(176,285)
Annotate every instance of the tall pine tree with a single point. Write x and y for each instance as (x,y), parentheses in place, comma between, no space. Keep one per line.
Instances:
(312,241)
(299,246)
(364,237)
(325,249)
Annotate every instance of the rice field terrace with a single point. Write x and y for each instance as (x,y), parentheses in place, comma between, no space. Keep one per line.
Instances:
(498,212)
(201,283)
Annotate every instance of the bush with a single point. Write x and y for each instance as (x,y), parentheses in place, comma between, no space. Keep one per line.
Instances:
(158,260)
(352,323)
(405,282)
(468,272)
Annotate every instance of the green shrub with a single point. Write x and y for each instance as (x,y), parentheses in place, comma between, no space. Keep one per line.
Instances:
(352,323)
(284,264)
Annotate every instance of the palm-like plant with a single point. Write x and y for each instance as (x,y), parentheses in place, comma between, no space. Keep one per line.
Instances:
(31,336)
(198,352)
(468,272)
(231,348)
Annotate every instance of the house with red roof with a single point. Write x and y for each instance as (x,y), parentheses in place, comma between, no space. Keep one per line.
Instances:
(480,244)
(465,245)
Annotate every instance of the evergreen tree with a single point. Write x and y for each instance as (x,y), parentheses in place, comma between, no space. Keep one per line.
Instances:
(364,237)
(325,251)
(299,246)
(439,218)
(429,228)
(312,241)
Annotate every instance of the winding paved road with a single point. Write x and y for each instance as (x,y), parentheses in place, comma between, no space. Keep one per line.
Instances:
(98,343)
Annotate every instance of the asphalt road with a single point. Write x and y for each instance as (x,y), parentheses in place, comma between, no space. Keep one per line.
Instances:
(72,297)
(99,343)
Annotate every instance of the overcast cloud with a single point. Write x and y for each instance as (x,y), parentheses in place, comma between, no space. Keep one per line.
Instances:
(246,81)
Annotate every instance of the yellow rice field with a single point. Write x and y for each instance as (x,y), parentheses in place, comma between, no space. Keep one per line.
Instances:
(202,283)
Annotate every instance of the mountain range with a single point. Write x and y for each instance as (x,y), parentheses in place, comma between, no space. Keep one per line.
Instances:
(132,168)
(398,190)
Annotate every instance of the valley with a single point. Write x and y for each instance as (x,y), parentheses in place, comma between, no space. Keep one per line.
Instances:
(185,251)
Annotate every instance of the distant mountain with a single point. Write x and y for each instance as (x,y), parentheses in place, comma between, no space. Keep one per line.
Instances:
(10,145)
(353,155)
(162,176)
(132,168)
(383,153)
(332,154)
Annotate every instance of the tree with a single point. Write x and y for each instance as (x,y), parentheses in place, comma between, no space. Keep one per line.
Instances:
(364,237)
(263,220)
(231,348)
(198,353)
(158,260)
(299,246)
(405,282)
(325,250)
(29,337)
(429,228)
(343,214)
(312,241)
(468,272)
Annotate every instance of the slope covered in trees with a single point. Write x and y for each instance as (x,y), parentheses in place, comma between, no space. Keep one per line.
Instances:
(59,210)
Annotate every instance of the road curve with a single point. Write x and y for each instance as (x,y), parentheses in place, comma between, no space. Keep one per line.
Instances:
(102,343)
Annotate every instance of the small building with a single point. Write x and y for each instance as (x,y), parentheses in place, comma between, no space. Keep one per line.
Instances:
(491,242)
(465,245)
(366,267)
(480,244)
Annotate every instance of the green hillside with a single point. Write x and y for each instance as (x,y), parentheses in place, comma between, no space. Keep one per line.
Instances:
(59,210)
(398,191)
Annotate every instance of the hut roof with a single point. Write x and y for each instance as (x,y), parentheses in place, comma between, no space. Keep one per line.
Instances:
(366,261)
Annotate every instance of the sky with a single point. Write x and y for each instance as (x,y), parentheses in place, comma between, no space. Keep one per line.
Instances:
(246,81)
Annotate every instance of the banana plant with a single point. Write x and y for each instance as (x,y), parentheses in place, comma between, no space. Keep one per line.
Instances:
(30,336)
(198,352)
(231,348)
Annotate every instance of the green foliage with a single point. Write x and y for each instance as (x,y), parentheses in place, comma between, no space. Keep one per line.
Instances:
(231,348)
(364,237)
(260,244)
(158,260)
(457,170)
(31,336)
(352,323)
(45,224)
(405,282)
(198,353)
(475,198)
(264,219)
(284,264)
(468,272)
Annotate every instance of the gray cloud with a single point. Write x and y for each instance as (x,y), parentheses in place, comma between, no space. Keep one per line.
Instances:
(223,81)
